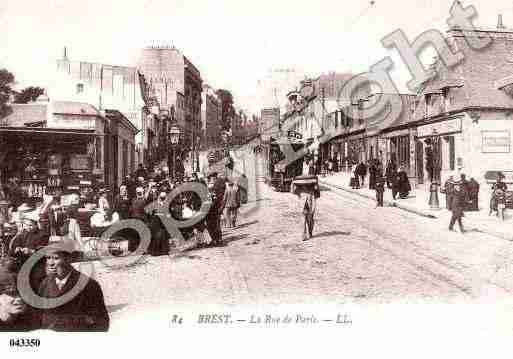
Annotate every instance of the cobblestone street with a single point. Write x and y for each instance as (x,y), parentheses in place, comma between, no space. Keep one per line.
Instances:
(358,254)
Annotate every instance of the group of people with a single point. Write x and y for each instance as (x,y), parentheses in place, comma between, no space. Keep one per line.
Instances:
(394,178)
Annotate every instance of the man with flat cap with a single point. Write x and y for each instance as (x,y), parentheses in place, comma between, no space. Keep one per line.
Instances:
(85,310)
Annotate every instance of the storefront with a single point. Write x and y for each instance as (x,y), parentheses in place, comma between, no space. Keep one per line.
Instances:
(50,161)
(436,148)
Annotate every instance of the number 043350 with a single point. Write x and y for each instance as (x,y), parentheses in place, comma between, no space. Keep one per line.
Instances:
(24,342)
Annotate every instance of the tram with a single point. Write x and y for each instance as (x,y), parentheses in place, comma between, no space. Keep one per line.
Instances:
(283,173)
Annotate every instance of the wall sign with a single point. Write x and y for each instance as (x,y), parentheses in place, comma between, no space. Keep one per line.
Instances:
(440,128)
(496,141)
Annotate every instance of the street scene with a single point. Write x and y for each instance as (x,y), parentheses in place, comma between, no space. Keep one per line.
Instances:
(149,178)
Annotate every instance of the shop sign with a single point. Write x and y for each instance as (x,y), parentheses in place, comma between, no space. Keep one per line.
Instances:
(440,128)
(496,141)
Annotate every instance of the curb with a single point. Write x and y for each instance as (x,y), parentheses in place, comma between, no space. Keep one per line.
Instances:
(412,210)
(388,203)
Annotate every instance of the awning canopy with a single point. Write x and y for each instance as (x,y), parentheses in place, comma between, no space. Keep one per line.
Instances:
(45,130)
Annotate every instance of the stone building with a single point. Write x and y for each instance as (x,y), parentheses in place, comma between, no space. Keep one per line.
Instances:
(210,119)
(463,116)
(75,135)
(106,87)
(177,86)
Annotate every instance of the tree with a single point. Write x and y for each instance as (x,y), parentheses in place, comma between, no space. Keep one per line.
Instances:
(6,80)
(227,110)
(28,94)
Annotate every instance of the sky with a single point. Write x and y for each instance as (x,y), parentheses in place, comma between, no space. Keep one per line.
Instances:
(234,43)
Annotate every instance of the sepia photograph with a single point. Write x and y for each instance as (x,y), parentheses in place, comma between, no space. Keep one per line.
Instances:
(264,174)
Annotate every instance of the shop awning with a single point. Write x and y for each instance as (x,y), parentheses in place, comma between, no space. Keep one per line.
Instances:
(47,130)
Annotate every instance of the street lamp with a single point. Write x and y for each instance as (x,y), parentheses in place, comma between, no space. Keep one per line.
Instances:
(174,139)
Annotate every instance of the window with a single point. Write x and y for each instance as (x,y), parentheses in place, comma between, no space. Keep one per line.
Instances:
(132,158)
(451,152)
(80,88)
(125,158)
(98,152)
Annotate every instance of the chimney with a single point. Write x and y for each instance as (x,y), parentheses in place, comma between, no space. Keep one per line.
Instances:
(500,25)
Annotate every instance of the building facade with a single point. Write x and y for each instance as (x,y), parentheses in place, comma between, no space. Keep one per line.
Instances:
(177,85)
(105,87)
(210,119)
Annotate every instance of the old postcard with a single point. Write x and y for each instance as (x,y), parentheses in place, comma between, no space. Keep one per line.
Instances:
(250,178)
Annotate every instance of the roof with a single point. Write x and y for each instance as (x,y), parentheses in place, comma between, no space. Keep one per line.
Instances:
(25,113)
(115,114)
(74,108)
(475,81)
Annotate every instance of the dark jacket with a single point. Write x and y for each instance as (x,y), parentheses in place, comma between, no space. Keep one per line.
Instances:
(458,203)
(25,322)
(361,170)
(137,208)
(32,240)
(85,312)
(122,206)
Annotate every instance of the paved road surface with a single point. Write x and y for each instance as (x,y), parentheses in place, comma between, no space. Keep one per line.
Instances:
(359,254)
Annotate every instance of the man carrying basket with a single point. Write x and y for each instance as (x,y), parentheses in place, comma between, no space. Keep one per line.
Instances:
(307,190)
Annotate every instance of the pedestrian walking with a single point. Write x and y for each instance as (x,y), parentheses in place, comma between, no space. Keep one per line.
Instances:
(474,194)
(448,189)
(458,204)
(379,187)
(307,198)
(361,172)
(372,174)
(217,187)
(232,203)
(390,172)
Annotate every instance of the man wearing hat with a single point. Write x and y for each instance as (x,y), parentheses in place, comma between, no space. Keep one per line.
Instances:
(15,315)
(85,311)
(26,243)
(217,188)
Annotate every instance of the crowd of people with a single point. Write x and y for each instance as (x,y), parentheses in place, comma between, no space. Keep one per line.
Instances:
(27,227)
(393,177)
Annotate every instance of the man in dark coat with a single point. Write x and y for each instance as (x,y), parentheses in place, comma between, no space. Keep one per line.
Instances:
(361,172)
(25,244)
(85,311)
(372,174)
(449,192)
(458,204)
(379,186)
(473,186)
(217,188)
(391,171)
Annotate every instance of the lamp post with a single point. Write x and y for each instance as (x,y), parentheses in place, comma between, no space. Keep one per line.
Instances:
(174,139)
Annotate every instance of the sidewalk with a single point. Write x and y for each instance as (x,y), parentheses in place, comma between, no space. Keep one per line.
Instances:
(418,202)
